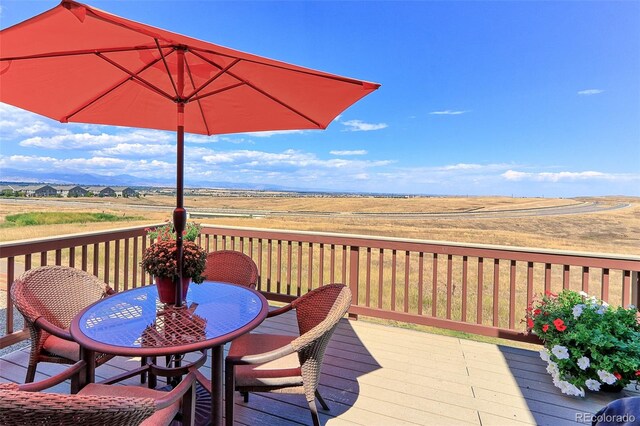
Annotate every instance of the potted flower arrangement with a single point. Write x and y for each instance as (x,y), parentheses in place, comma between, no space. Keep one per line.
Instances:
(587,343)
(159,259)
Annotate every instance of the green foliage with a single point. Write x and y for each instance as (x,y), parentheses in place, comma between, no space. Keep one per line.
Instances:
(587,343)
(52,218)
(167,232)
(159,259)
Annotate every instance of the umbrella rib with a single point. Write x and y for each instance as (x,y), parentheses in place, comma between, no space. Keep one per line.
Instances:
(212,79)
(257,89)
(136,77)
(286,68)
(215,92)
(204,118)
(79,52)
(166,66)
(107,91)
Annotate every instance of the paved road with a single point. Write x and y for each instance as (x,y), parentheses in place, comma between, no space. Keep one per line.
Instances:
(568,209)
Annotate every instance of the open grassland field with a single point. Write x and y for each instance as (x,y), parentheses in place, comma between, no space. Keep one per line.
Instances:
(607,231)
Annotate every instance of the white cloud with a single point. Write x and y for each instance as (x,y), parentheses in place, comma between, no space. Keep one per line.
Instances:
(137,150)
(354,152)
(447,112)
(513,175)
(79,141)
(590,92)
(361,126)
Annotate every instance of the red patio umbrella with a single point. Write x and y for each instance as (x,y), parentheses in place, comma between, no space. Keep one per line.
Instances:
(75,63)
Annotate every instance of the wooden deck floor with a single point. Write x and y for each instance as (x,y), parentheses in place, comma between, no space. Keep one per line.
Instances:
(378,375)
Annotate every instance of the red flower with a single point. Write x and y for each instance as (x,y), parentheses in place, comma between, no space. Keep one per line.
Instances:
(545,327)
(548,293)
(618,376)
(536,312)
(638,373)
(559,324)
(529,323)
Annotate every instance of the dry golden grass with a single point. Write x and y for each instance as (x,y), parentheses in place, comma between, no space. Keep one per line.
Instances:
(616,231)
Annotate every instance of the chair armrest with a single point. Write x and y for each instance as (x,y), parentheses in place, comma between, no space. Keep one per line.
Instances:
(53,380)
(261,358)
(279,311)
(53,329)
(177,393)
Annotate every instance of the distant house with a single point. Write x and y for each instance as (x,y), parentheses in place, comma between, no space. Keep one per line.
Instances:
(102,191)
(125,191)
(72,191)
(39,191)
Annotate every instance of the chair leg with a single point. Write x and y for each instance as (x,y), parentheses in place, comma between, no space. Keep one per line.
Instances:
(245,395)
(143,376)
(31,373)
(314,413)
(321,401)
(229,388)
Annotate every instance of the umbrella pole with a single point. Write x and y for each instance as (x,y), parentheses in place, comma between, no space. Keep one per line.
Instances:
(179,214)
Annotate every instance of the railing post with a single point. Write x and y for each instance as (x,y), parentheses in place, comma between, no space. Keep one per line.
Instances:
(354,276)
(635,288)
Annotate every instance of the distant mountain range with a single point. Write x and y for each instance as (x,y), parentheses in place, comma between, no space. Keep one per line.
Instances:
(25,176)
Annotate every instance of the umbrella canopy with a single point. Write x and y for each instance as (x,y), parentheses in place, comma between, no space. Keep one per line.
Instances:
(75,63)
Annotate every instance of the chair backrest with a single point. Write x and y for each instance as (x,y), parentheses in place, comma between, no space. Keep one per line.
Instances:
(231,267)
(318,313)
(38,408)
(57,293)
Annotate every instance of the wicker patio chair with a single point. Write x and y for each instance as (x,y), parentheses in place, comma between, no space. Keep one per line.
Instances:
(231,267)
(287,364)
(49,297)
(95,404)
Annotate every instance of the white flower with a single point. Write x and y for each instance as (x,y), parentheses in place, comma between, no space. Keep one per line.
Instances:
(606,377)
(544,355)
(583,294)
(560,352)
(592,385)
(552,369)
(577,310)
(605,304)
(631,307)
(568,388)
(584,363)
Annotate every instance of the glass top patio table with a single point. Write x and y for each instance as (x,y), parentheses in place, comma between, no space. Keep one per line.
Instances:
(135,322)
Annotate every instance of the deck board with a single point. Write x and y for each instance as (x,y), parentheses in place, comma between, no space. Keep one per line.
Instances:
(381,375)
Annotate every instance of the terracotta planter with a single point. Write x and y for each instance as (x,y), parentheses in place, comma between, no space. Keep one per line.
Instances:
(167,289)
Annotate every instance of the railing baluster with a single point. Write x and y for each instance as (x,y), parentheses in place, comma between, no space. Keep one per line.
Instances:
(259,263)
(289,257)
(380,277)
(529,283)
(512,294)
(85,257)
(332,265)
(547,277)
(344,264)
(72,257)
(279,267)
(434,287)
(116,266)
(605,284)
(58,257)
(134,264)
(393,279)
(354,277)
(299,268)
(107,261)
(465,266)
(626,288)
(449,284)
(479,306)
(269,260)
(310,269)
(27,262)
(566,278)
(420,282)
(321,269)
(43,258)
(585,279)
(368,279)
(11,271)
(96,259)
(143,274)
(126,264)
(496,291)
(406,281)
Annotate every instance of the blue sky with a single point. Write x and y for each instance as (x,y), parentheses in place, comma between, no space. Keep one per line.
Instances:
(477,98)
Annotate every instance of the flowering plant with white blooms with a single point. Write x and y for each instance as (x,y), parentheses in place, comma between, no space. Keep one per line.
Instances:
(587,343)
